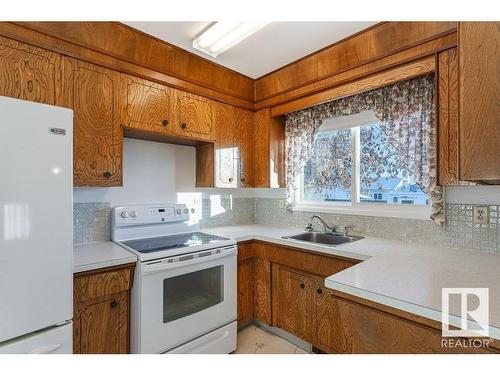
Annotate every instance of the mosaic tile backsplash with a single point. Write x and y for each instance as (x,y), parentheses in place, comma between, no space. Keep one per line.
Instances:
(459,230)
(91,222)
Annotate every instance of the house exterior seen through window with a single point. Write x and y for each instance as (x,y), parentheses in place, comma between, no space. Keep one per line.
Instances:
(358,165)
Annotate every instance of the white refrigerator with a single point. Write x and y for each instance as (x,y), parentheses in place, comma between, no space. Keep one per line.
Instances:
(36,230)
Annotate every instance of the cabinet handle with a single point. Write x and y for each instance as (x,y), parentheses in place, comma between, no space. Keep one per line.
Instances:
(107,174)
(164,122)
(230,179)
(319,290)
(113,304)
(242,180)
(183,125)
(302,285)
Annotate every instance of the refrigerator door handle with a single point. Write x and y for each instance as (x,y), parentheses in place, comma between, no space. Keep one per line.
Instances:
(45,349)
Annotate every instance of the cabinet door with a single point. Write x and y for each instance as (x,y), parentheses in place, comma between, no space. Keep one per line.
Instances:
(293,302)
(262,290)
(479,86)
(149,106)
(92,92)
(101,327)
(195,116)
(29,73)
(327,324)
(245,291)
(243,143)
(226,166)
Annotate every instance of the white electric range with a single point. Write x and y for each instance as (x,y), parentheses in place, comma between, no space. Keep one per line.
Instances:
(184,291)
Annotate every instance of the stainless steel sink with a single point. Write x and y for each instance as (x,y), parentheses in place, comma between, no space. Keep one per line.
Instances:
(324,238)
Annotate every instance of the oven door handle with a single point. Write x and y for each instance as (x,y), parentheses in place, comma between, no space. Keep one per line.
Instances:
(187,260)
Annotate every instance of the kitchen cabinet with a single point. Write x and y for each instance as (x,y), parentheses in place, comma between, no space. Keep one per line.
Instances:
(29,73)
(262,289)
(245,291)
(147,106)
(479,77)
(269,153)
(195,116)
(101,310)
(233,147)
(92,92)
(293,301)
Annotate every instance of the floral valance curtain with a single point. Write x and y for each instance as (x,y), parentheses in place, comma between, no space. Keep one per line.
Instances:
(406,114)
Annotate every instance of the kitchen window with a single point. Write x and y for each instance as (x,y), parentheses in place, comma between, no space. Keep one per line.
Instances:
(355,169)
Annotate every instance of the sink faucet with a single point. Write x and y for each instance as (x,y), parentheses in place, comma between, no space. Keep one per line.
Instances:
(326,227)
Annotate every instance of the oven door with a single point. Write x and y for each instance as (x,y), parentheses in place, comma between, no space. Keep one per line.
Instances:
(184,297)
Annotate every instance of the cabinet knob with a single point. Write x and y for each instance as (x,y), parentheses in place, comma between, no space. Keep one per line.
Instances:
(164,122)
(183,125)
(230,179)
(107,174)
(302,285)
(243,180)
(319,290)
(113,304)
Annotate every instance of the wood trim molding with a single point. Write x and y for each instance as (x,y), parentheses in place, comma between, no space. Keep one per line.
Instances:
(382,40)
(141,56)
(387,77)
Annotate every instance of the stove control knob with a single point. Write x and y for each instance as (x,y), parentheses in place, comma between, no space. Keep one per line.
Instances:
(192,210)
(186,211)
(178,211)
(133,213)
(124,214)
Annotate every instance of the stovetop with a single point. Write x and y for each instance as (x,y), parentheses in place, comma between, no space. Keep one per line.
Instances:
(174,241)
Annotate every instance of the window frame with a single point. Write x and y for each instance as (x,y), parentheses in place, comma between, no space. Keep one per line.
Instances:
(355,207)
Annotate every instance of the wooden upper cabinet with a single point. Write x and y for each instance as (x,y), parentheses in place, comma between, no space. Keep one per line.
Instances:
(29,73)
(479,101)
(233,146)
(147,106)
(92,93)
(269,153)
(195,116)
(243,143)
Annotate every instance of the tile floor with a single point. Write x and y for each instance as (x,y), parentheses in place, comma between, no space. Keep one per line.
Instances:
(253,340)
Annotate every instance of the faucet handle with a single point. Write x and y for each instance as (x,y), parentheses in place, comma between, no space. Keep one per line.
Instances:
(345,228)
(309,228)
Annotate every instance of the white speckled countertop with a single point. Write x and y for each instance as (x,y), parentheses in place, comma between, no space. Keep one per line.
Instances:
(95,255)
(404,276)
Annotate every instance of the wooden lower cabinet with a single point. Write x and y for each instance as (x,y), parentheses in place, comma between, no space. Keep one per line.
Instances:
(293,302)
(101,305)
(288,292)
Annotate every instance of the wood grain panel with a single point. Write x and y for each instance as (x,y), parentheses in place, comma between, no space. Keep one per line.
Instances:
(479,101)
(269,154)
(29,73)
(363,330)
(400,73)
(377,42)
(314,263)
(244,143)
(293,302)
(447,104)
(411,54)
(245,291)
(205,165)
(148,106)
(97,134)
(262,290)
(195,116)
(134,46)
(224,129)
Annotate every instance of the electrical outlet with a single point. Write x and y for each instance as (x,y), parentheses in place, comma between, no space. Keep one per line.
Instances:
(281,203)
(480,215)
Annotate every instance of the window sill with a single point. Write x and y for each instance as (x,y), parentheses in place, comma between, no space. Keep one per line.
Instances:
(401,212)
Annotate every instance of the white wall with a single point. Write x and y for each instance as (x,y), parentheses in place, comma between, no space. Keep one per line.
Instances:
(155,172)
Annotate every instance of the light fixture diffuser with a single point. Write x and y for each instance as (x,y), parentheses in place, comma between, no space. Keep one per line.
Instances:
(223,35)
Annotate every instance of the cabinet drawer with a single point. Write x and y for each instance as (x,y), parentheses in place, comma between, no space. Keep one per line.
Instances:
(100,283)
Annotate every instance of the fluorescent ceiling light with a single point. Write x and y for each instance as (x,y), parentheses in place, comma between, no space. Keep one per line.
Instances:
(223,35)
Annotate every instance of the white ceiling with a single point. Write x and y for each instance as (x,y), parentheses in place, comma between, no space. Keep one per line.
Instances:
(272,47)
